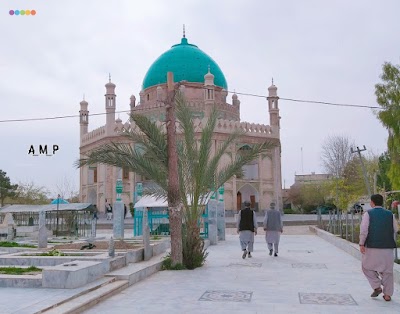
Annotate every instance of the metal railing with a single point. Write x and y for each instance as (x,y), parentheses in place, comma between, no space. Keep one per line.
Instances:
(158,221)
(346,225)
(70,223)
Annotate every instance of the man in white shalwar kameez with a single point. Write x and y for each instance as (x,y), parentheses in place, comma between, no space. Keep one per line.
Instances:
(377,240)
(273,226)
(247,228)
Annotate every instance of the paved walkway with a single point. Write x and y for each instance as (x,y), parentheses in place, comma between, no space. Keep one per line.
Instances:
(309,276)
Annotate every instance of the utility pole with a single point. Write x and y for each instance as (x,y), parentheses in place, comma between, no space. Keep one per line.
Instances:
(174,208)
(363,167)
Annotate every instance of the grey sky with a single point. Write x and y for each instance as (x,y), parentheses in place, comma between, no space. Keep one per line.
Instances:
(319,50)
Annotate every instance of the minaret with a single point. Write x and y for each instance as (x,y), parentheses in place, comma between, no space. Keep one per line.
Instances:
(84,117)
(209,86)
(235,100)
(110,106)
(273,107)
(133,103)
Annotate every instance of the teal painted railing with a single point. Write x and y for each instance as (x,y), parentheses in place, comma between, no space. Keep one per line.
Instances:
(159,223)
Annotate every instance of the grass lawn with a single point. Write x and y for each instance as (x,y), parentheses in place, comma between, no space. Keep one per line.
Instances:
(15,244)
(19,271)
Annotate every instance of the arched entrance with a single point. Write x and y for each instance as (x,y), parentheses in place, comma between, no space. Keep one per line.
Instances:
(247,193)
(239,201)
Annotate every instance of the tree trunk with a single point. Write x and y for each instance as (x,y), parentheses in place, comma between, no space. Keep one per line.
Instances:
(175,213)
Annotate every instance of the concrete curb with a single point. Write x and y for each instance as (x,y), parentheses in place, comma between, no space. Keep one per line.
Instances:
(83,302)
(350,248)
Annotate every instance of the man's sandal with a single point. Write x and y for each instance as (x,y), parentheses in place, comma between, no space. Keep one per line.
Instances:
(387,298)
(376,292)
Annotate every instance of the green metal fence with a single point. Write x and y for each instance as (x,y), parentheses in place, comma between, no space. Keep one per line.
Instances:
(62,223)
(158,221)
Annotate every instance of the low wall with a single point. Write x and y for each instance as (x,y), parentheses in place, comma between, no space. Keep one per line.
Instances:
(350,248)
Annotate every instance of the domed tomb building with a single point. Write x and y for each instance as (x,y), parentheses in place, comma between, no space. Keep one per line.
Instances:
(203,86)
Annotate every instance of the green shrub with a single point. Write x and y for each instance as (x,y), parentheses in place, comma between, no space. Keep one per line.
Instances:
(167,264)
(53,252)
(194,254)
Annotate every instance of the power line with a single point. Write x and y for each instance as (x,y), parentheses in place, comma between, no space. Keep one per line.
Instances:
(310,101)
(238,93)
(58,117)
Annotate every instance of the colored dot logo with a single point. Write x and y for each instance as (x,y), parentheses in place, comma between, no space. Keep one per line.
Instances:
(22,12)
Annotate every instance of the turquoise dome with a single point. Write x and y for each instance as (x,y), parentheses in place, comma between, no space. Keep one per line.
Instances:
(187,62)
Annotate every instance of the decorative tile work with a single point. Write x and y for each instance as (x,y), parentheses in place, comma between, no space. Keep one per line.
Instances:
(245,264)
(326,299)
(300,251)
(227,296)
(309,265)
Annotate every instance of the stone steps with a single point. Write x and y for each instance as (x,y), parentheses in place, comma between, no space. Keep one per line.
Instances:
(138,271)
(119,280)
(65,296)
(87,300)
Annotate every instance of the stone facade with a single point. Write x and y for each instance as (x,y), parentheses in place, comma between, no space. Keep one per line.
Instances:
(261,182)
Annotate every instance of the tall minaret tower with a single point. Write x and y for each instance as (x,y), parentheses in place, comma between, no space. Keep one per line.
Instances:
(273,107)
(84,117)
(110,106)
(209,87)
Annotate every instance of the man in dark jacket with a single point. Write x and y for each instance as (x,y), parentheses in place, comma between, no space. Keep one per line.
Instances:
(377,234)
(247,228)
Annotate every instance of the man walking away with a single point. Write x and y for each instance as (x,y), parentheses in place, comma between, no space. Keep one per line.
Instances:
(109,211)
(377,233)
(247,228)
(273,226)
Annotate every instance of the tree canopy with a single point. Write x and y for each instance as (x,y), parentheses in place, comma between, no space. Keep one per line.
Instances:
(388,97)
(6,188)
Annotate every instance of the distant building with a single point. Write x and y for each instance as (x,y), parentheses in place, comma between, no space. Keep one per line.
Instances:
(311,178)
(203,86)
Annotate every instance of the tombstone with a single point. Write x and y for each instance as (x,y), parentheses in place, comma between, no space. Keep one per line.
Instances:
(212,222)
(93,230)
(111,247)
(42,238)
(8,227)
(10,233)
(118,220)
(146,236)
(221,215)
(221,221)
(8,220)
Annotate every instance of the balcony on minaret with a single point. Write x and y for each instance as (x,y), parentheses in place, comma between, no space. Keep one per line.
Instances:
(209,86)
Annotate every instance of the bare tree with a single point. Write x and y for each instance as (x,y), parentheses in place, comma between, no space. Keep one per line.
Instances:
(336,153)
(66,188)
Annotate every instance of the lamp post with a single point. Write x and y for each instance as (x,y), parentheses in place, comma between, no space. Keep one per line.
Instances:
(58,202)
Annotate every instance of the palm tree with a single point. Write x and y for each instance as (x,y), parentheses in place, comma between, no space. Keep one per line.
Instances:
(200,172)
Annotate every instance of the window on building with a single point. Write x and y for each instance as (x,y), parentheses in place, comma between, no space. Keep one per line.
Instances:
(250,170)
(125,174)
(92,175)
